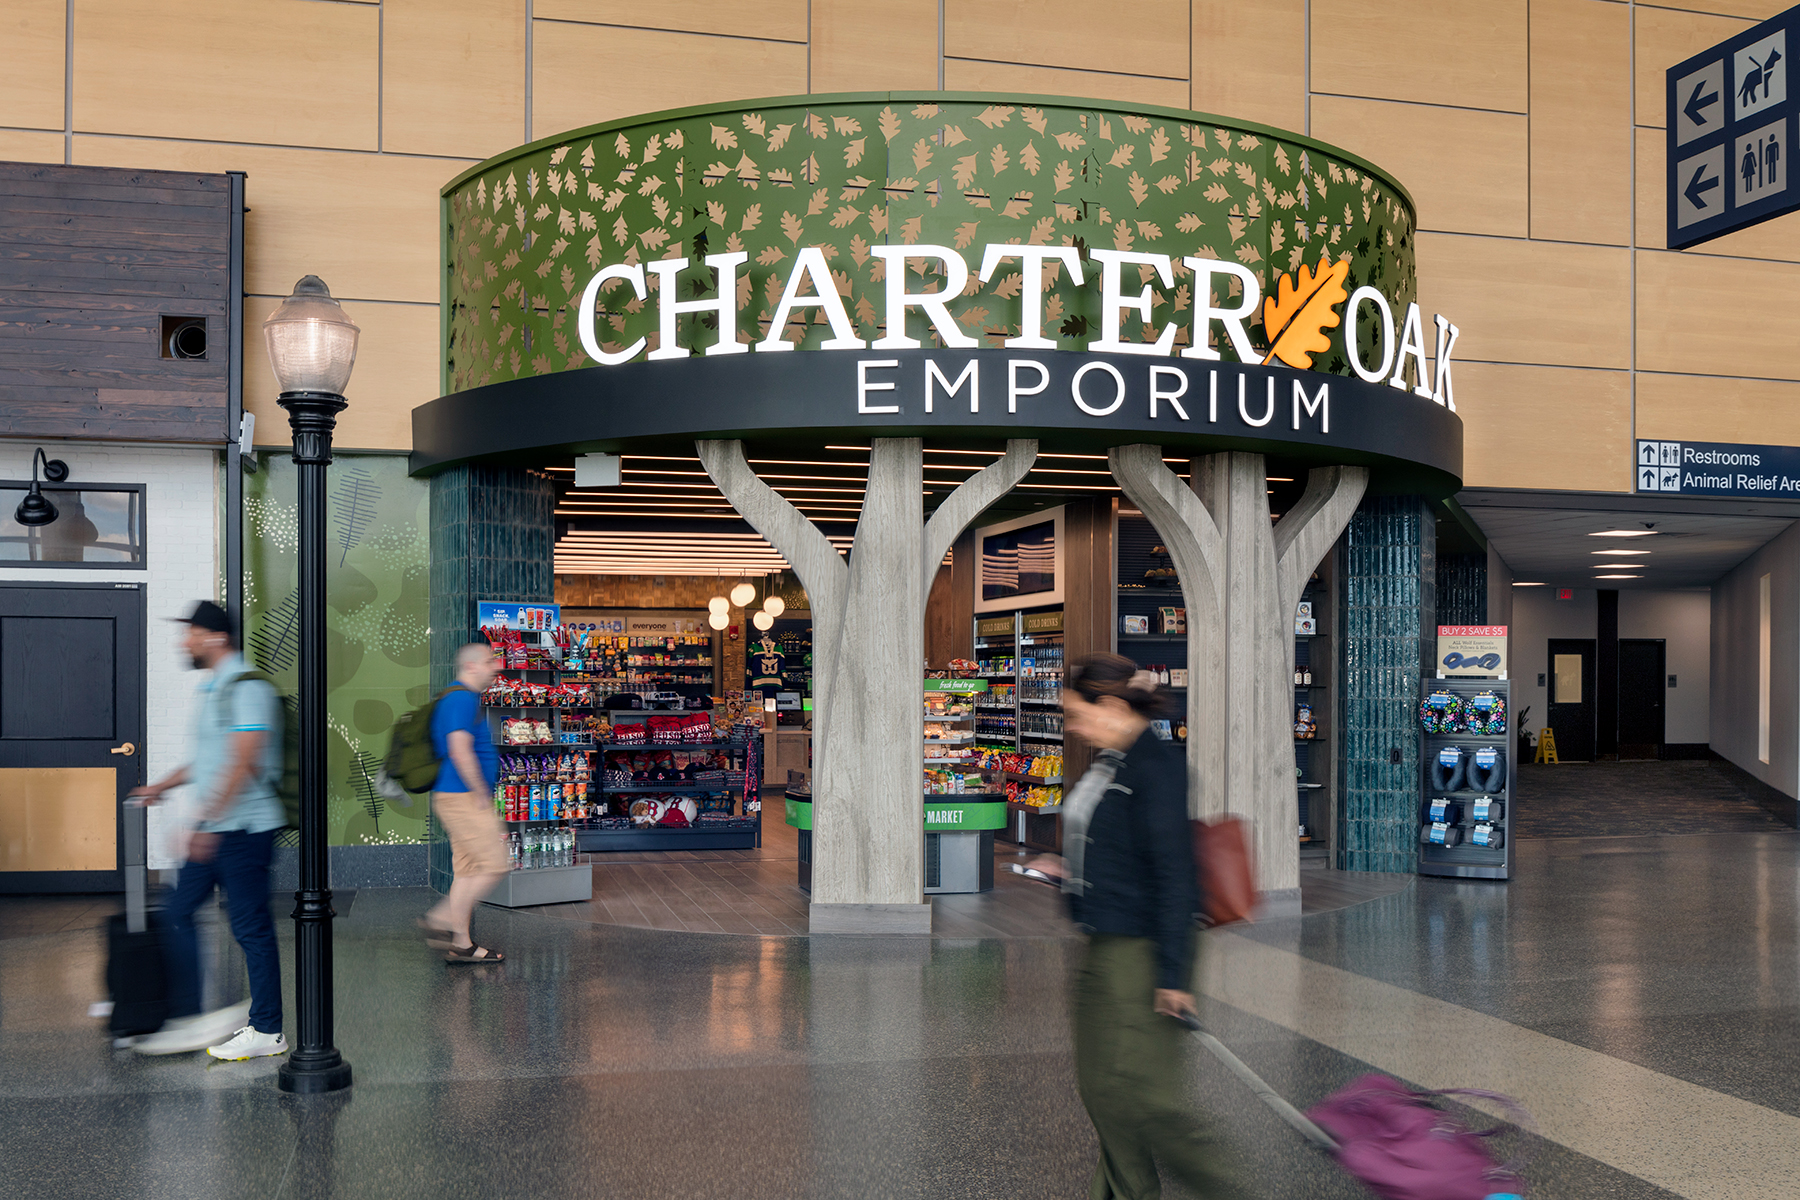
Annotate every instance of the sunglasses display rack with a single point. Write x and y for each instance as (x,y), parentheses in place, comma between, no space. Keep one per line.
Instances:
(1466,807)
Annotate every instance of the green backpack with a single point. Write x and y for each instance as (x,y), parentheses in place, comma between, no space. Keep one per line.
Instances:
(412,759)
(287,784)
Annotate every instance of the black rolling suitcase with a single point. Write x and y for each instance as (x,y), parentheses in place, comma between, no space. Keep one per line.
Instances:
(136,975)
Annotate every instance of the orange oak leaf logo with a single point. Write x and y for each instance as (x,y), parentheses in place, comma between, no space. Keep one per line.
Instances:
(1303,307)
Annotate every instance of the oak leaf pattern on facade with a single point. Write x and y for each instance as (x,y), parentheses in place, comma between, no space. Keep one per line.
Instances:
(1303,306)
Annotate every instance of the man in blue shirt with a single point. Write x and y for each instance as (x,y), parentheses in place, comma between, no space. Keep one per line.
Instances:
(234,774)
(463,801)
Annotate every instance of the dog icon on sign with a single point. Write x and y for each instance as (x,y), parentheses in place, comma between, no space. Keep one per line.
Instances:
(1671,479)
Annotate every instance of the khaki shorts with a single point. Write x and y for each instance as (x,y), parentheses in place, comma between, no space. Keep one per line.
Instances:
(477,836)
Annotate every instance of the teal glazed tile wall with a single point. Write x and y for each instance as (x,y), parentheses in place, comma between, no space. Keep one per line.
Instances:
(1389,623)
(493,537)
(1462,589)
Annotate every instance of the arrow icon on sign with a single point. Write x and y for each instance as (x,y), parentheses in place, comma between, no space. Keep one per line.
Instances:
(1698,104)
(1649,481)
(1698,187)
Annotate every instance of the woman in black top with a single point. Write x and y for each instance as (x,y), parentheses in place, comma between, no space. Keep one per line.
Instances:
(1128,873)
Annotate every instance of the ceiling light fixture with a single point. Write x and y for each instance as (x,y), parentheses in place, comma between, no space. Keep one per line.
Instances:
(1518,583)
(1618,577)
(1623,533)
(1622,552)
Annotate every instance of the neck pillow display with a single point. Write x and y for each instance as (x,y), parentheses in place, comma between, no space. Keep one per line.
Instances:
(1441,712)
(1488,836)
(1484,713)
(1449,769)
(1486,770)
(1487,810)
(1440,834)
(1443,811)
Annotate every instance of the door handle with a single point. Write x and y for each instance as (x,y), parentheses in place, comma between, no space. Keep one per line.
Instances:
(127,748)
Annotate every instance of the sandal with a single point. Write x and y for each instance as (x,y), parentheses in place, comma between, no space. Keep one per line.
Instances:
(473,954)
(436,937)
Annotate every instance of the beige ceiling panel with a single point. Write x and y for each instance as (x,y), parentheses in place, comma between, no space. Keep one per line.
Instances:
(859,47)
(782,20)
(1146,37)
(453,77)
(282,72)
(1249,60)
(1468,53)
(1705,315)
(1550,303)
(396,371)
(1664,38)
(1580,121)
(367,224)
(31,81)
(585,74)
(1777,239)
(1553,428)
(961,75)
(1466,169)
(27,146)
(1705,408)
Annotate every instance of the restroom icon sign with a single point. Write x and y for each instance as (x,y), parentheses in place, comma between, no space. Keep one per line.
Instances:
(1658,466)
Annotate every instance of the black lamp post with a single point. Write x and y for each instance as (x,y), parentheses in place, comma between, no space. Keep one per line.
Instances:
(312,346)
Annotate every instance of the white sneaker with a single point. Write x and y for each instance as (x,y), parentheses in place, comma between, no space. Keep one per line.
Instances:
(247,1043)
(183,1035)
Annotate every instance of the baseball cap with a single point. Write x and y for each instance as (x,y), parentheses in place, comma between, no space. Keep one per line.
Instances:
(207,615)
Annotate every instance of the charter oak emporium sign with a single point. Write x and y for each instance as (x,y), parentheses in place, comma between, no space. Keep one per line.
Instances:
(962,266)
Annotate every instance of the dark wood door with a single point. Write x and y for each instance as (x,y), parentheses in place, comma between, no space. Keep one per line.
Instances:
(71,731)
(1571,712)
(1642,696)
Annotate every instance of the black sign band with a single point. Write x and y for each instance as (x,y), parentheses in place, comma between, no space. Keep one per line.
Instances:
(1070,402)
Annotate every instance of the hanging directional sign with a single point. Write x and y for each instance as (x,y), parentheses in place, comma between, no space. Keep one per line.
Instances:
(1718,469)
(1732,134)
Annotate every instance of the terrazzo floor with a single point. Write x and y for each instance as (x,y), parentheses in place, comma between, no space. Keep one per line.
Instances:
(1641,995)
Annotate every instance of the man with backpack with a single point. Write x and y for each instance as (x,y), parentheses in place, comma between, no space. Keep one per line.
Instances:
(233,818)
(462,799)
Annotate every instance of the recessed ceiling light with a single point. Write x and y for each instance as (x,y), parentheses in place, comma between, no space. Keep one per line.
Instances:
(1623,533)
(1621,552)
(1279,479)
(1618,577)
(1516,583)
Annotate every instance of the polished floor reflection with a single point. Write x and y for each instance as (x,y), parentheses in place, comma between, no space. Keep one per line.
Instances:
(1641,995)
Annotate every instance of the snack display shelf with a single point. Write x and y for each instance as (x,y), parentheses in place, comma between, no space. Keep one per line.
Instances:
(955,741)
(672,789)
(1039,780)
(744,832)
(969,761)
(947,717)
(559,746)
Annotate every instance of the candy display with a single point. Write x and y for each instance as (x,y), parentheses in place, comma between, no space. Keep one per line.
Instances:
(1044,768)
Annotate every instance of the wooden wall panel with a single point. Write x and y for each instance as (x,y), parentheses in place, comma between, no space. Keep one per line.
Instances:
(962,75)
(1581,121)
(1088,597)
(783,20)
(453,76)
(1467,170)
(1148,37)
(1529,302)
(31,82)
(366,224)
(1468,53)
(1545,427)
(1248,60)
(396,370)
(1776,239)
(1706,408)
(22,145)
(1665,37)
(1705,315)
(94,261)
(584,74)
(859,47)
(285,72)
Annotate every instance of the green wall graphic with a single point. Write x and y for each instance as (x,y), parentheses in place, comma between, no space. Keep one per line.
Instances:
(525,231)
(378,595)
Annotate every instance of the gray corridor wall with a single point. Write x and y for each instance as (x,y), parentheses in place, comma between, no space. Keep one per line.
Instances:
(1499,590)
(1539,616)
(1735,661)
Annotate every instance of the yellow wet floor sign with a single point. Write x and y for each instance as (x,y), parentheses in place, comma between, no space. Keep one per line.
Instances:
(1546,747)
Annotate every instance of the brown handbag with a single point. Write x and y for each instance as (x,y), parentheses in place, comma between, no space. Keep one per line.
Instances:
(1227,876)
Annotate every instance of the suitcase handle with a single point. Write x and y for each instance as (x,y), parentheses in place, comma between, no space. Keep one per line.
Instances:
(1287,1112)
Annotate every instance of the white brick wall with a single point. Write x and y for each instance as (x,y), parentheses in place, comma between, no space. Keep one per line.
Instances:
(181,539)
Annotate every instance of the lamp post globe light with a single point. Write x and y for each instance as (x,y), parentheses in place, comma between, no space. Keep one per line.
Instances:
(312,347)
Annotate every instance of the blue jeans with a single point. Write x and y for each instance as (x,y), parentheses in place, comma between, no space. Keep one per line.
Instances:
(240,864)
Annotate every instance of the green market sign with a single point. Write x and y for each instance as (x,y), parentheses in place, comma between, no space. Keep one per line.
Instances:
(945,815)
